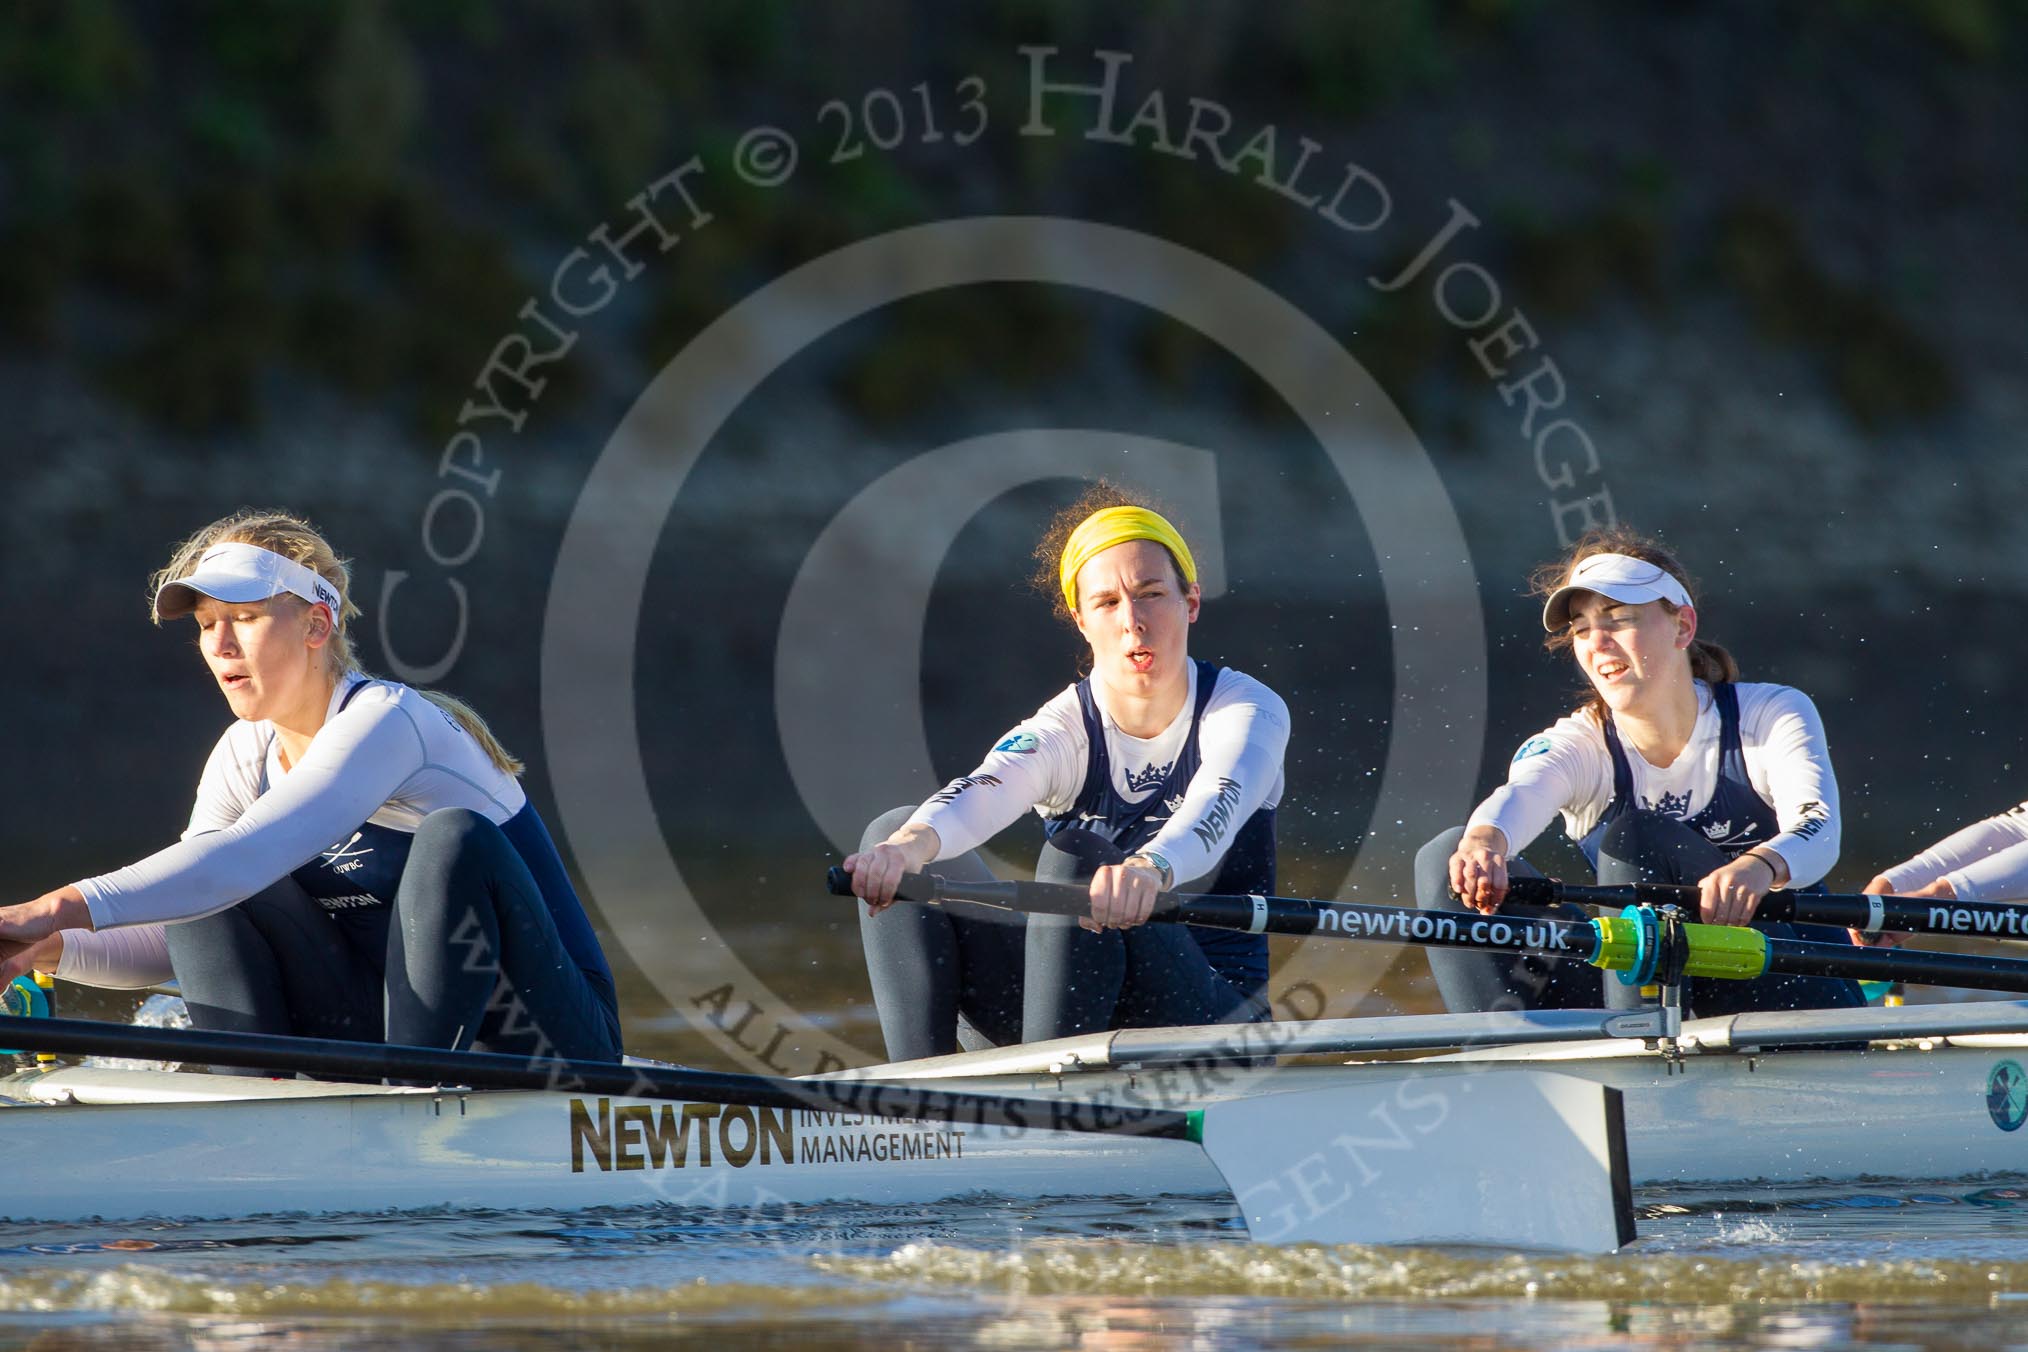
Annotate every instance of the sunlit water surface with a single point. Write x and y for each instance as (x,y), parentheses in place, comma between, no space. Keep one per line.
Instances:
(1944,1266)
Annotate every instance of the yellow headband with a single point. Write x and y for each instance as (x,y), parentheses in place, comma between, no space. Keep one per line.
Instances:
(1115,526)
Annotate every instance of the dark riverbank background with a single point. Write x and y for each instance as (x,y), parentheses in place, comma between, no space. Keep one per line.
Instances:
(265,254)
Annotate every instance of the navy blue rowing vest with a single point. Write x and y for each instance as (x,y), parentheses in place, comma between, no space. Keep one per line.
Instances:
(1735,820)
(356,879)
(360,874)
(1249,864)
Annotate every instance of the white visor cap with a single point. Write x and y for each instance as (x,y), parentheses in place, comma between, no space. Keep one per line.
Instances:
(1617,576)
(242,572)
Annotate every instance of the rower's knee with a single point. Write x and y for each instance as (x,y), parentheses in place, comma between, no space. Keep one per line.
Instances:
(450,827)
(1073,856)
(885,825)
(451,847)
(1643,846)
(1433,871)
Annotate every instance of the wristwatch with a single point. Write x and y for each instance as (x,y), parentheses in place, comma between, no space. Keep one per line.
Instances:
(1161,866)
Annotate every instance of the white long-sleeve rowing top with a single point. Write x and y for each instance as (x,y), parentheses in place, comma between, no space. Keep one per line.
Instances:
(1986,861)
(1040,765)
(1567,770)
(387,756)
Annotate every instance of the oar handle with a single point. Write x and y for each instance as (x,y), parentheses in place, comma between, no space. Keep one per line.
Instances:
(1550,891)
(1040,898)
(913,886)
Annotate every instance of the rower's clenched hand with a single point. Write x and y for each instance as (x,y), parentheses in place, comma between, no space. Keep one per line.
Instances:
(36,955)
(1731,893)
(1478,868)
(27,929)
(1935,888)
(878,871)
(1122,896)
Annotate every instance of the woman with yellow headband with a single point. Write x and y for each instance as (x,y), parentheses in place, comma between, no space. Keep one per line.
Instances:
(1154,770)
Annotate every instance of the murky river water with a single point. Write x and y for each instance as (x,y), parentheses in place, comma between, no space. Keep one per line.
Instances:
(1942,1265)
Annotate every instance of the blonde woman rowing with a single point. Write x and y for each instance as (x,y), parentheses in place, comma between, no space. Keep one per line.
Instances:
(361,862)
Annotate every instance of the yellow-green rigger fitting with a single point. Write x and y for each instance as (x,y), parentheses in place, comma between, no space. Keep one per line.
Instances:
(1619,943)
(1731,951)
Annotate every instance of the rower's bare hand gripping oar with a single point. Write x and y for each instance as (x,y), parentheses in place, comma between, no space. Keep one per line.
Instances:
(1637,943)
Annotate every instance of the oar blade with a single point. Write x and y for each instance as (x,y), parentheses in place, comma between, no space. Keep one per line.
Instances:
(1513,1158)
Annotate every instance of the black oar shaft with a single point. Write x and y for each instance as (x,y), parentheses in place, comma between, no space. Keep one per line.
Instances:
(1506,932)
(1907,915)
(1860,911)
(1927,967)
(1545,935)
(495,1070)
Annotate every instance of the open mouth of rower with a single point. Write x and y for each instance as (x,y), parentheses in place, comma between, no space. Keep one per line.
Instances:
(234,680)
(1611,670)
(1141,659)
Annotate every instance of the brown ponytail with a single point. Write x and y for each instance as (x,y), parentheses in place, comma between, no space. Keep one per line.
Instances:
(1709,662)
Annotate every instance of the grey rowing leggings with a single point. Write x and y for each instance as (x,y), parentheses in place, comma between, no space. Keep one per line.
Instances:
(468,957)
(1639,846)
(962,975)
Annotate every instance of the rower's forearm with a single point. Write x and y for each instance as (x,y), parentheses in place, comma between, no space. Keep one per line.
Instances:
(133,958)
(1221,797)
(2001,876)
(1515,814)
(1484,837)
(63,909)
(920,842)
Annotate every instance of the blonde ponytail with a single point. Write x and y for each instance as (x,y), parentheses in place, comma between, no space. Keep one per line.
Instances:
(468,718)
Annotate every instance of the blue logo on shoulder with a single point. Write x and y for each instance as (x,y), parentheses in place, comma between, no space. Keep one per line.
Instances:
(1021,743)
(1534,746)
(2007,1096)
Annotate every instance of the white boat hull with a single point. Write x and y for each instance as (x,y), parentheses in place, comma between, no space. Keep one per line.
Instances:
(1728,1118)
(373,1152)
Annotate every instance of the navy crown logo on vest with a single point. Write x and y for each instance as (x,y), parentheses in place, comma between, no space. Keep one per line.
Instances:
(1736,819)
(1140,781)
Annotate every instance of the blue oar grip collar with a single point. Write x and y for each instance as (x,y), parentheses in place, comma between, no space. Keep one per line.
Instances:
(1647,946)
